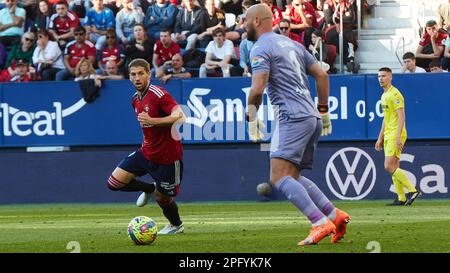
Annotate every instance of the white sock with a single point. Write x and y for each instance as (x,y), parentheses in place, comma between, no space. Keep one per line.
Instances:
(332,215)
(320,222)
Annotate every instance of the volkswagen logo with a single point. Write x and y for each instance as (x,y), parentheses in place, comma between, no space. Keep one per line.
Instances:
(353,167)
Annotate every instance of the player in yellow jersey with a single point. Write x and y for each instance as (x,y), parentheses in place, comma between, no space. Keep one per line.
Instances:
(392,138)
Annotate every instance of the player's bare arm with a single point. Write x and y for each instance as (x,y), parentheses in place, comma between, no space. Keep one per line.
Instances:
(259,81)
(177,116)
(400,124)
(322,83)
(379,143)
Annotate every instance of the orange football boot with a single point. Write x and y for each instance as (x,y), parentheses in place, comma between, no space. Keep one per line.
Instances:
(318,233)
(341,221)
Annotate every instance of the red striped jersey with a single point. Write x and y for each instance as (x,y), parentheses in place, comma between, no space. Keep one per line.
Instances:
(158,145)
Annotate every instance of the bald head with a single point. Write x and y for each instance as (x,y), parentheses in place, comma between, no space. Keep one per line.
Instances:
(258,21)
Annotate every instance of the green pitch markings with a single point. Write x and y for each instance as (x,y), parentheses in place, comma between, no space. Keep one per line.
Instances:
(232,227)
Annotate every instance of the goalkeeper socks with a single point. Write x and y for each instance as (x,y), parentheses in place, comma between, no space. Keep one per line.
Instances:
(171,213)
(297,194)
(319,198)
(400,176)
(139,185)
(399,189)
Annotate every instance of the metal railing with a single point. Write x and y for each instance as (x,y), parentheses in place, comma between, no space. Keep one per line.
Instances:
(400,60)
(421,19)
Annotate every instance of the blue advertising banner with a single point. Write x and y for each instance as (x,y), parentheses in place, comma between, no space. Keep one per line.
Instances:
(54,113)
(345,171)
(426,104)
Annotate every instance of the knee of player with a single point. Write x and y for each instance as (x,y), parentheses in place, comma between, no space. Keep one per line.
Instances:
(163,200)
(113,184)
(389,167)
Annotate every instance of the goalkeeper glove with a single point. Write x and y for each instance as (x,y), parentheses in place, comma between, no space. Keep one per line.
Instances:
(255,128)
(326,122)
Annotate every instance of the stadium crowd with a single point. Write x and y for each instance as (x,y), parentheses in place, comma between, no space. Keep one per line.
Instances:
(48,39)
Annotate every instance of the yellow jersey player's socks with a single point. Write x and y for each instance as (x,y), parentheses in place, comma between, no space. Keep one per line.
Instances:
(399,189)
(400,175)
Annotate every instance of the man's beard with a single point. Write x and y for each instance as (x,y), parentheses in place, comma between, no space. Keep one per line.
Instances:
(251,34)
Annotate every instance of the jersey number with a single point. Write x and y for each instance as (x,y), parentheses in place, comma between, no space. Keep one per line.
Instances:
(298,70)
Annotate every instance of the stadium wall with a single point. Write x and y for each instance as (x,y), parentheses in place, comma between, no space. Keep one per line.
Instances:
(346,171)
(219,165)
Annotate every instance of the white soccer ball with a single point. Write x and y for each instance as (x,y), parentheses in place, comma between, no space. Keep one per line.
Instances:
(264,189)
(142,230)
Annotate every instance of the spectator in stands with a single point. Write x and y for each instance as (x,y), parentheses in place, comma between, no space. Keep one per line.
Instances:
(212,19)
(443,16)
(2,55)
(436,67)
(74,52)
(84,71)
(30,7)
(446,58)
(127,17)
(285,29)
(47,56)
(80,7)
(219,54)
(188,22)
(140,47)
(12,19)
(24,50)
(350,44)
(303,19)
(430,46)
(409,64)
(43,15)
(110,52)
(244,61)
(282,4)
(62,24)
(113,5)
(173,69)
(317,45)
(160,15)
(239,33)
(143,4)
(276,12)
(20,72)
(230,6)
(98,20)
(331,11)
(164,50)
(112,72)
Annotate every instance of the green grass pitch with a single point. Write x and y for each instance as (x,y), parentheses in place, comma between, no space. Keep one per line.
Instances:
(231,227)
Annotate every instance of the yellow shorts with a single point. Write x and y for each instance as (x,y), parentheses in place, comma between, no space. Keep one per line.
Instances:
(390,148)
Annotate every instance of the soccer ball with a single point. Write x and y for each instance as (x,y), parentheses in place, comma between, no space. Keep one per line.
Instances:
(142,230)
(264,189)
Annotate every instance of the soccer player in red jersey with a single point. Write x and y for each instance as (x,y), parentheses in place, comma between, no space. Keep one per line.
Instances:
(161,152)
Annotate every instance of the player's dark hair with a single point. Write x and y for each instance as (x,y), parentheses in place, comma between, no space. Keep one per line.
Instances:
(409,55)
(385,69)
(139,63)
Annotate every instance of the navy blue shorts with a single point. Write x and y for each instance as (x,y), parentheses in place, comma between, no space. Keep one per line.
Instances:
(167,176)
